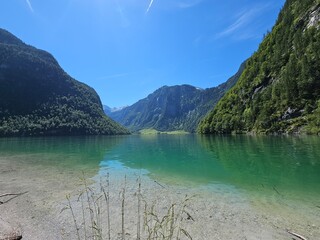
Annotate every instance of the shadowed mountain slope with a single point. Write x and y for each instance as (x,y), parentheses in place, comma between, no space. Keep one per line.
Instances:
(39,98)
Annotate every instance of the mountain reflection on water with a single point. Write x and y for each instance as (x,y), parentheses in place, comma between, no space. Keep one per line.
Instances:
(279,164)
(284,165)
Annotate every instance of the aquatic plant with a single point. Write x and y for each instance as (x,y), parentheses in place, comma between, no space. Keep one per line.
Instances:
(91,214)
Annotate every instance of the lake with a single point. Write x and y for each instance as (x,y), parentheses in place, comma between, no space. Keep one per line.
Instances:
(256,164)
(281,172)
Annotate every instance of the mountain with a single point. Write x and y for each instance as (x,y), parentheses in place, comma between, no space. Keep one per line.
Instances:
(107,110)
(279,90)
(39,98)
(173,108)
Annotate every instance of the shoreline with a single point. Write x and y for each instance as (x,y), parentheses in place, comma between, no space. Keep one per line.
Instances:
(216,214)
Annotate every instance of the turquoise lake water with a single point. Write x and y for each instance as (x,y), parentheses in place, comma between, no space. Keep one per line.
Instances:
(254,165)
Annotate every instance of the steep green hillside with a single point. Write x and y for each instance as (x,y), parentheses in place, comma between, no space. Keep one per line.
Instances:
(166,109)
(173,108)
(39,98)
(279,90)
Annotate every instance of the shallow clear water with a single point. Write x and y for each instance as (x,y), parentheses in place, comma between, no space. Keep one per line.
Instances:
(284,166)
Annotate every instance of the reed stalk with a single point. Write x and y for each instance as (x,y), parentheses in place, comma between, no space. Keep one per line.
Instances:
(139,205)
(151,224)
(73,217)
(122,208)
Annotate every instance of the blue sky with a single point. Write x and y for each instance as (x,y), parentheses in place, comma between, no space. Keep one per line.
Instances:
(126,49)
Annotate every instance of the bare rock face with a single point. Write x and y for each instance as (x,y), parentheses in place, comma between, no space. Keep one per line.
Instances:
(314,18)
(290,113)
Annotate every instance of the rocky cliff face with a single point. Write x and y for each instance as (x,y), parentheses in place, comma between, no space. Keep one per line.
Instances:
(173,108)
(279,90)
(39,98)
(313,17)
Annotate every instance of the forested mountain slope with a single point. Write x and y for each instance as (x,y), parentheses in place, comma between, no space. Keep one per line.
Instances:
(173,108)
(279,90)
(38,98)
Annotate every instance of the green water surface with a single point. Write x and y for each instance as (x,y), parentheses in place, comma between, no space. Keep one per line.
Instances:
(287,166)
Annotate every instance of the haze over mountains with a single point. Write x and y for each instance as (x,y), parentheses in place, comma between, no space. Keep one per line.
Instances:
(39,98)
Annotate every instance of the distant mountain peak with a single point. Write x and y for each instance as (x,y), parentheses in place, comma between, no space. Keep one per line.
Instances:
(108,109)
(171,108)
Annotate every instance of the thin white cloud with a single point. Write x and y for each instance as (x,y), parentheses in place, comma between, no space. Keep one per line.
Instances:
(188,3)
(196,42)
(124,20)
(243,19)
(30,6)
(150,5)
(174,4)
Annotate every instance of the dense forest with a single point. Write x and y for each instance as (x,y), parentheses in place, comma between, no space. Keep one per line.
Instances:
(173,108)
(279,90)
(39,98)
